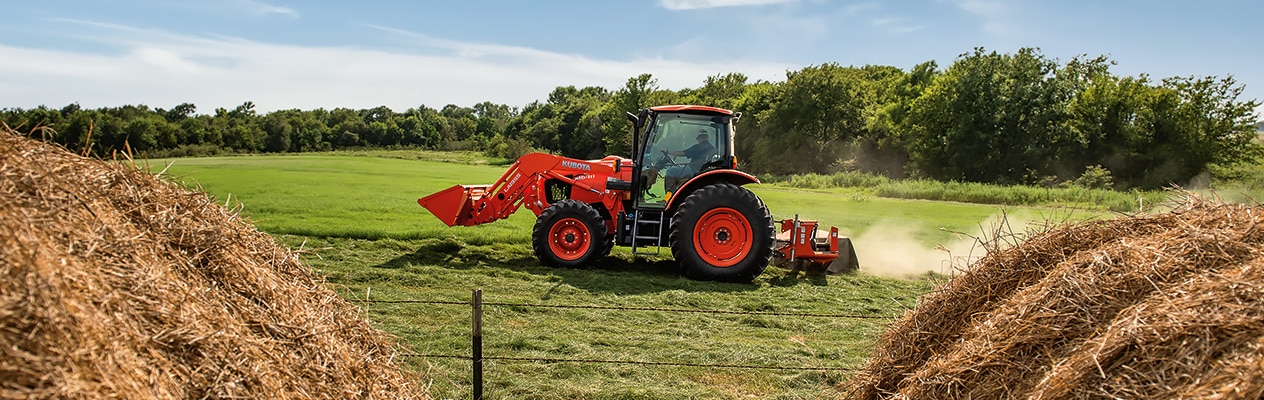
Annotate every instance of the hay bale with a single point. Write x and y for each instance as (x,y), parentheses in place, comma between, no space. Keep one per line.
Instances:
(114,283)
(1163,306)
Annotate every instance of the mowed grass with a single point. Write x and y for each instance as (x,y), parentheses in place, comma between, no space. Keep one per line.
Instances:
(358,223)
(337,196)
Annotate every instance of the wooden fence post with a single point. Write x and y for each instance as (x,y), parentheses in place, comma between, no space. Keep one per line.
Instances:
(477,357)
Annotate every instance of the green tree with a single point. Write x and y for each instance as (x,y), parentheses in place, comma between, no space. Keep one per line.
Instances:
(754,104)
(493,118)
(178,113)
(608,124)
(142,132)
(1103,126)
(76,131)
(240,128)
(279,132)
(817,114)
(421,127)
(565,123)
(1190,124)
(888,124)
(198,130)
(346,125)
(989,118)
(723,91)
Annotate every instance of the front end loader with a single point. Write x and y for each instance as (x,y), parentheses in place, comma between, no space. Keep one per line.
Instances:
(681,191)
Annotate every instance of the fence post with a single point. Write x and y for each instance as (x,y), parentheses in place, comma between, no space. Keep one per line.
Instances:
(477,319)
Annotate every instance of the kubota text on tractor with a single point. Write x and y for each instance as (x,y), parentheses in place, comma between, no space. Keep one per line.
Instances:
(682,190)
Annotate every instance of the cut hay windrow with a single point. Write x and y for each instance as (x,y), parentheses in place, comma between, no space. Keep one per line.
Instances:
(1162,306)
(117,284)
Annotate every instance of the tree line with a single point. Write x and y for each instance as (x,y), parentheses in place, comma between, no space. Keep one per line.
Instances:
(1019,118)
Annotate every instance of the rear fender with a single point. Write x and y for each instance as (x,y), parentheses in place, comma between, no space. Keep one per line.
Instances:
(732,176)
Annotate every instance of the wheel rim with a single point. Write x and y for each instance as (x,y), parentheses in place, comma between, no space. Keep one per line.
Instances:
(723,237)
(569,239)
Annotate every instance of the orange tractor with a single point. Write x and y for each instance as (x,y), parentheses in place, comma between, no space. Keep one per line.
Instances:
(681,191)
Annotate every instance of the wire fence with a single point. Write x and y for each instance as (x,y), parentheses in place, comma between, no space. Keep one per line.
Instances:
(618,308)
(476,357)
(657,363)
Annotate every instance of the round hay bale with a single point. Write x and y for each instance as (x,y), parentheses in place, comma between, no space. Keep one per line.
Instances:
(1162,306)
(117,284)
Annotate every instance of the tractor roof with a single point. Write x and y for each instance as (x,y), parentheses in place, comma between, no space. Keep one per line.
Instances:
(691,109)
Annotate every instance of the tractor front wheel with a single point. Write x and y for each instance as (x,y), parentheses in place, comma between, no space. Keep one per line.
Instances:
(569,234)
(722,232)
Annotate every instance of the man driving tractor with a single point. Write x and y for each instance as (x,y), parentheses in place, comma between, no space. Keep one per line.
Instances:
(698,155)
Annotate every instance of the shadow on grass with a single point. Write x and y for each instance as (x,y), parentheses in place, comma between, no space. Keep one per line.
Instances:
(453,254)
(786,278)
(621,273)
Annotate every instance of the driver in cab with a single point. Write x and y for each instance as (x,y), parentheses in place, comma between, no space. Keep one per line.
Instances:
(697,154)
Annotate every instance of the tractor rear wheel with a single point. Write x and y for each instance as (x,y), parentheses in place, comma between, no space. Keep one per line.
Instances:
(722,232)
(569,234)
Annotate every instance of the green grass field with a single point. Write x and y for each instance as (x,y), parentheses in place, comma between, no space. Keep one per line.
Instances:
(358,223)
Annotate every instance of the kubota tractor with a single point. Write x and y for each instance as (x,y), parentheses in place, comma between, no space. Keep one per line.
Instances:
(682,190)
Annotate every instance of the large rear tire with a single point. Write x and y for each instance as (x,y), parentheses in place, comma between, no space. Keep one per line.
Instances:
(722,232)
(569,234)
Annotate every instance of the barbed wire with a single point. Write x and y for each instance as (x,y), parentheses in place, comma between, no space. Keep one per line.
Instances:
(631,362)
(676,310)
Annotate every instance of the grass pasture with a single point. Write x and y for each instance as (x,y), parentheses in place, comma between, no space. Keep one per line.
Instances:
(358,223)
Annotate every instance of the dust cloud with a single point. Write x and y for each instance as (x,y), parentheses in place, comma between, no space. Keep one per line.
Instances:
(892,249)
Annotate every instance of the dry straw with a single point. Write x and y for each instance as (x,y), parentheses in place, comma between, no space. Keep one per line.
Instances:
(1144,307)
(117,284)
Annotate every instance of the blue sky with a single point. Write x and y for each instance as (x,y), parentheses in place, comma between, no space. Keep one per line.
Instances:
(284,54)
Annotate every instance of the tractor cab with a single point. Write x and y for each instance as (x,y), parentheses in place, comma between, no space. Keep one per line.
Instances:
(683,163)
(677,144)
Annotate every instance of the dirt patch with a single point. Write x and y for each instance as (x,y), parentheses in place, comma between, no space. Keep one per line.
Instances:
(117,284)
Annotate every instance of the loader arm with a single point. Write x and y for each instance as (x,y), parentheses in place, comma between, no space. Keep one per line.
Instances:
(522,184)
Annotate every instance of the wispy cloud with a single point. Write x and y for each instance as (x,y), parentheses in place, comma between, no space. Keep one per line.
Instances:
(699,4)
(998,16)
(162,69)
(261,9)
(858,8)
(895,25)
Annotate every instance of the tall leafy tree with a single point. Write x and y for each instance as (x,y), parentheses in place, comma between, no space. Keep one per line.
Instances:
(559,124)
(346,126)
(609,124)
(421,127)
(889,123)
(989,117)
(279,133)
(1194,124)
(199,130)
(817,113)
(492,118)
(756,100)
(178,113)
(240,128)
(723,91)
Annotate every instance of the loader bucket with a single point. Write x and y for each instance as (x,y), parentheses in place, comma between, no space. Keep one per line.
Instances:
(454,205)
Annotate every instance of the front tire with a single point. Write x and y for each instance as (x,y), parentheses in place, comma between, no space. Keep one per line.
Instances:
(569,234)
(722,232)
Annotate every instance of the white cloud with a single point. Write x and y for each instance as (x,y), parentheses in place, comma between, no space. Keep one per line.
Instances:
(858,8)
(160,69)
(998,16)
(895,25)
(699,4)
(260,9)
